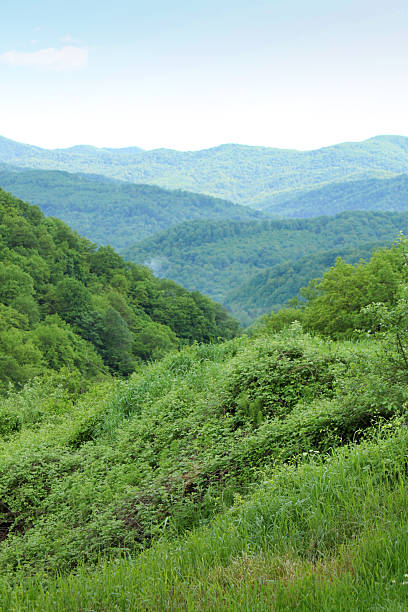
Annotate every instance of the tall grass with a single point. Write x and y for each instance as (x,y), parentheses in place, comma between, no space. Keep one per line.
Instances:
(320,536)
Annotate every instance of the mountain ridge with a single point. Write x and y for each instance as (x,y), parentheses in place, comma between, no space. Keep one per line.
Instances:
(109,211)
(241,173)
(359,194)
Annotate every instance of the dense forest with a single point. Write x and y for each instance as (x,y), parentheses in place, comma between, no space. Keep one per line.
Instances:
(217,258)
(113,212)
(247,175)
(363,194)
(271,289)
(349,298)
(265,472)
(65,303)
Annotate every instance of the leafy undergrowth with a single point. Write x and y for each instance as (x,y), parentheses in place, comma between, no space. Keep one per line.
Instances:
(249,431)
(324,535)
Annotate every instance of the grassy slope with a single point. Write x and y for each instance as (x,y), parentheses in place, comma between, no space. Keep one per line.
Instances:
(218,257)
(161,455)
(113,212)
(322,536)
(243,174)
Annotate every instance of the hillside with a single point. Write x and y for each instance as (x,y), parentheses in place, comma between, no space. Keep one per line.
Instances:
(270,289)
(352,301)
(265,472)
(364,194)
(218,257)
(248,175)
(114,212)
(66,304)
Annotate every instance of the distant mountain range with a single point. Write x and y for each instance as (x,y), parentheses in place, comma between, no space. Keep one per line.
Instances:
(114,212)
(253,176)
(250,260)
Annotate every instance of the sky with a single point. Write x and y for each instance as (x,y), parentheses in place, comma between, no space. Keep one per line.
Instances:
(188,74)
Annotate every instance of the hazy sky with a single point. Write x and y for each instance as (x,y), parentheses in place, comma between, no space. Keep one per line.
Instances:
(190,74)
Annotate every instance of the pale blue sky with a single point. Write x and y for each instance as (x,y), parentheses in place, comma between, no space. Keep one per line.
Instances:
(190,75)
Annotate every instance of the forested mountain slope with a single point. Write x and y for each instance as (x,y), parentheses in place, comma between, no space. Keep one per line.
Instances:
(64,303)
(114,212)
(363,194)
(353,301)
(217,257)
(273,287)
(244,174)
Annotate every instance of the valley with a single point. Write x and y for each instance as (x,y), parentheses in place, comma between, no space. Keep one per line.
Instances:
(215,246)
(154,455)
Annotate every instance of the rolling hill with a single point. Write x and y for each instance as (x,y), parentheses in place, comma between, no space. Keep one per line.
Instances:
(113,212)
(249,175)
(271,288)
(217,257)
(363,194)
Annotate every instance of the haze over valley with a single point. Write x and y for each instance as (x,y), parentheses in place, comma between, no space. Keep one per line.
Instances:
(214,245)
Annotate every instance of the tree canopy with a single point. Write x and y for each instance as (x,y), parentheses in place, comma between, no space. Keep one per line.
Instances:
(65,303)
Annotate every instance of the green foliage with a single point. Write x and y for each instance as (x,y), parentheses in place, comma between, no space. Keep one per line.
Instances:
(112,212)
(62,348)
(20,359)
(340,516)
(66,304)
(258,176)
(274,377)
(252,266)
(119,466)
(153,341)
(273,287)
(335,304)
(116,339)
(266,472)
(320,536)
(388,322)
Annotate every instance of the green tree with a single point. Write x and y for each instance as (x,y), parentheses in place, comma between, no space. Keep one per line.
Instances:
(117,342)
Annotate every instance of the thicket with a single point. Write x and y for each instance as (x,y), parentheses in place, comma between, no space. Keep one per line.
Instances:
(180,441)
(64,303)
(324,535)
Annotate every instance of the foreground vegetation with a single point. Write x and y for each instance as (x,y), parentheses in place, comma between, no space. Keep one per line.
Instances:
(265,472)
(321,536)
(298,445)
